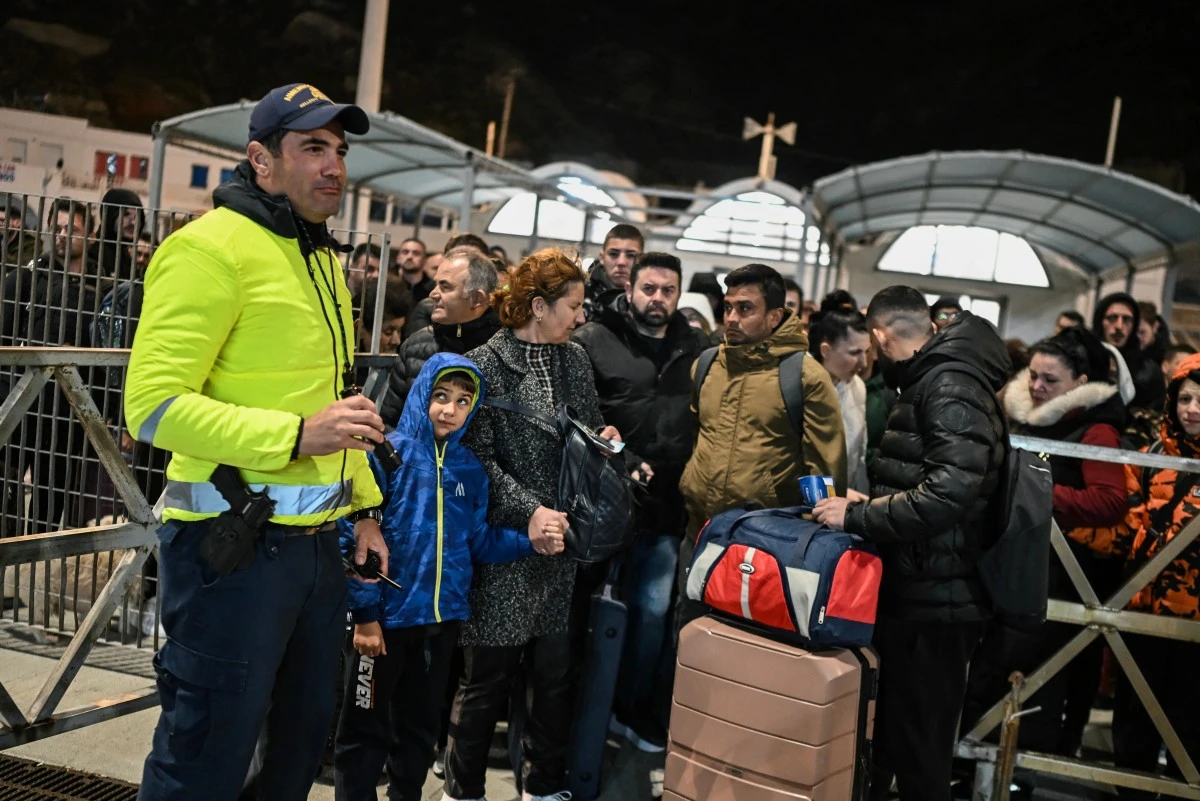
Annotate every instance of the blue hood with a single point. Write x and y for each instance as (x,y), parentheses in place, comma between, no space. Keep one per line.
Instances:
(414,421)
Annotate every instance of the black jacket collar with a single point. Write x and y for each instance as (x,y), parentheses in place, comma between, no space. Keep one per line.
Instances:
(241,193)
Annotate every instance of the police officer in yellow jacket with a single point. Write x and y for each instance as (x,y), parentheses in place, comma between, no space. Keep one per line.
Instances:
(240,360)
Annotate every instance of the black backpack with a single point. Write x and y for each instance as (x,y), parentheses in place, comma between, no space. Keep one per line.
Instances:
(594,490)
(1015,569)
(791,383)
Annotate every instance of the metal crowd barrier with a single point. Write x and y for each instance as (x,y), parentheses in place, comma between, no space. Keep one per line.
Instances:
(76,529)
(62,556)
(1105,618)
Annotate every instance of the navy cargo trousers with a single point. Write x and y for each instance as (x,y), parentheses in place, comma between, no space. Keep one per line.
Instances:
(254,654)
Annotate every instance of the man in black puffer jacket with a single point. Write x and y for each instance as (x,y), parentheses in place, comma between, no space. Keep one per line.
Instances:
(642,351)
(462,321)
(931,516)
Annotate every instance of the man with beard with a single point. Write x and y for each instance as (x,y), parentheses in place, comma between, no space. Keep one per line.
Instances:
(642,351)
(410,259)
(610,271)
(48,303)
(462,320)
(1116,322)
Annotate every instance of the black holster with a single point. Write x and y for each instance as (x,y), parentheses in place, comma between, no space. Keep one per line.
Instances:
(229,543)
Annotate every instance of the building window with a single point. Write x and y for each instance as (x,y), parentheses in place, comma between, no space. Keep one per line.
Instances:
(17,150)
(378,210)
(199,176)
(139,168)
(968,252)
(51,155)
(226,174)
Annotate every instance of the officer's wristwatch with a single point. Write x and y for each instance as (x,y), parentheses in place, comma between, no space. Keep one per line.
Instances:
(374,513)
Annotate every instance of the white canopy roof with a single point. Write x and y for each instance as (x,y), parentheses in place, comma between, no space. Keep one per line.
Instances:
(1097,217)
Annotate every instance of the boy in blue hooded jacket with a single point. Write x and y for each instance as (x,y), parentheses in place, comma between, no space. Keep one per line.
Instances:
(434,520)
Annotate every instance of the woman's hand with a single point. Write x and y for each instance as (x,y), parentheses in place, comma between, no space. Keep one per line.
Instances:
(368,639)
(546,531)
(610,433)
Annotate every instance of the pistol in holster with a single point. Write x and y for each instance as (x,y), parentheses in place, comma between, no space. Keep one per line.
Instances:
(229,543)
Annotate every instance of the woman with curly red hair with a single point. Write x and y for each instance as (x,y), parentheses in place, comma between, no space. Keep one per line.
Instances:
(519,610)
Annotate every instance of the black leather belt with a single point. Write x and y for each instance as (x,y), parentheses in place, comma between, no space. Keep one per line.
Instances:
(304,531)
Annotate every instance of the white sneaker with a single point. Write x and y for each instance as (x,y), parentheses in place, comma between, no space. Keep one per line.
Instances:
(621,730)
(565,795)
(657,777)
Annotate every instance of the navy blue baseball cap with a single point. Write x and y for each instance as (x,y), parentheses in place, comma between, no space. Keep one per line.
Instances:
(302,107)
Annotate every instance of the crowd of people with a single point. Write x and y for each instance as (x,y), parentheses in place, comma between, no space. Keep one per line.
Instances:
(491,614)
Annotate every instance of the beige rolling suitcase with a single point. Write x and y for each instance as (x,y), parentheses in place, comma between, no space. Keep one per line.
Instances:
(755,719)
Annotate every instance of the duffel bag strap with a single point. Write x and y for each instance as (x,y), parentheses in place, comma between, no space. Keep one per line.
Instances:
(802,542)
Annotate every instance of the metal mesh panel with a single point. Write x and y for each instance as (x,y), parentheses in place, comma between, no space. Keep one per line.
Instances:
(71,274)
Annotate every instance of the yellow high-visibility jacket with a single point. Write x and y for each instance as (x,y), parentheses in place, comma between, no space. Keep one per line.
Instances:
(232,351)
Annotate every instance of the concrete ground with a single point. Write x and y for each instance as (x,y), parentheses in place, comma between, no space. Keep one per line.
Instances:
(117,748)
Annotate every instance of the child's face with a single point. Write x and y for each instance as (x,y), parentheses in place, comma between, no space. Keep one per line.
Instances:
(448,408)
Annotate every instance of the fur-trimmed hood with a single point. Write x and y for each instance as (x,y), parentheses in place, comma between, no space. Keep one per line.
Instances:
(1018,402)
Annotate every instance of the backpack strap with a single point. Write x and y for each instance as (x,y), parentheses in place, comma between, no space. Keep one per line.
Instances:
(704,363)
(791,384)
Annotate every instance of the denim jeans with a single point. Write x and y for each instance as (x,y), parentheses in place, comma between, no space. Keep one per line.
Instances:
(648,661)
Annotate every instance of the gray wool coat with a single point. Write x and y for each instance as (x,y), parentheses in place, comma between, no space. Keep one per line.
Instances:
(515,602)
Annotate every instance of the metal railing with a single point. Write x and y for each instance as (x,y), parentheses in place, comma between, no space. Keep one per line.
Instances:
(1105,618)
(76,528)
(120,596)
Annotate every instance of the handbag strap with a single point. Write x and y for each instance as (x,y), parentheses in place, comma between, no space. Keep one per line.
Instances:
(519,408)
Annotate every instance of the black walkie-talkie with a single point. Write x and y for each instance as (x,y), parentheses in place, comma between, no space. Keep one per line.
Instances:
(385,451)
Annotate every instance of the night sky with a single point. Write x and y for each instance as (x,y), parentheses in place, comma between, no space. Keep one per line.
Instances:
(658,90)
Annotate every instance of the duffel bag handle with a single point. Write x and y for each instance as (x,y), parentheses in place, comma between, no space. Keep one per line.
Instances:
(803,541)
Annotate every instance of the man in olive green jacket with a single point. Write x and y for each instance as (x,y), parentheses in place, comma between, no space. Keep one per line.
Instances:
(747,450)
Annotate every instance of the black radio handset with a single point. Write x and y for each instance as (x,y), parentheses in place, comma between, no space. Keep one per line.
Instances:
(384,451)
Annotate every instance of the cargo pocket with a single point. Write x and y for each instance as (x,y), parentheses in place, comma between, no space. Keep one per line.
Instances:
(192,688)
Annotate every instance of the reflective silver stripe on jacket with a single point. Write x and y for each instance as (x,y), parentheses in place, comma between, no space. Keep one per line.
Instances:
(292,501)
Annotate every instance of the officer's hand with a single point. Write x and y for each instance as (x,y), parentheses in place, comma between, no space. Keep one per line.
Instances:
(368,537)
(368,639)
(340,425)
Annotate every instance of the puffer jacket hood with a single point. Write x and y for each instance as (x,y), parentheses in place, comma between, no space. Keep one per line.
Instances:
(1175,441)
(1094,395)
(415,422)
(970,340)
(241,193)
(434,516)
